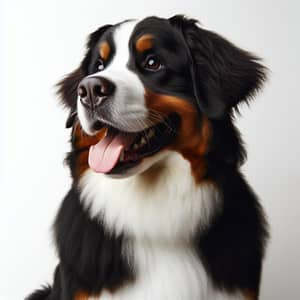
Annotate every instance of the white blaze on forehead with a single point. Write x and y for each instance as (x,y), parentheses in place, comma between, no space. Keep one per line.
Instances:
(121,38)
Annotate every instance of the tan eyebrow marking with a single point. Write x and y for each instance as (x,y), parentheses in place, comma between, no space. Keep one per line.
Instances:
(104,50)
(144,42)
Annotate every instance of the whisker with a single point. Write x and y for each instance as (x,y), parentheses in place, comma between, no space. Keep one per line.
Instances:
(163,118)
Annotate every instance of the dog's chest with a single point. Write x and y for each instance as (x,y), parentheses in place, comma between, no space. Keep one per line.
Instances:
(163,272)
(167,272)
(159,218)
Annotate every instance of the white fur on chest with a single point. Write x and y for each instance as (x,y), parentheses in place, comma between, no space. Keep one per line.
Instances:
(163,272)
(167,272)
(160,217)
(171,207)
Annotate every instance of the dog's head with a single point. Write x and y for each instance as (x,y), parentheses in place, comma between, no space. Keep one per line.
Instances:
(145,88)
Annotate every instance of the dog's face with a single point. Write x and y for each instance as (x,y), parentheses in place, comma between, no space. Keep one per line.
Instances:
(149,87)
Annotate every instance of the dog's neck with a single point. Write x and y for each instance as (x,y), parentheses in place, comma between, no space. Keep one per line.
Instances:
(164,203)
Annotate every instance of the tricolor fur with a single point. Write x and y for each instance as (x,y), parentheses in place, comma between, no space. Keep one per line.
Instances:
(164,213)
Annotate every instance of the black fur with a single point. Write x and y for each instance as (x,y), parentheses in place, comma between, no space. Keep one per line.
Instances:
(232,248)
(223,75)
(90,257)
(89,254)
(47,292)
(41,294)
(216,76)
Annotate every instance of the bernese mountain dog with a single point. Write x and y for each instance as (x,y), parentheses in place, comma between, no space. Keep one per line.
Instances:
(158,208)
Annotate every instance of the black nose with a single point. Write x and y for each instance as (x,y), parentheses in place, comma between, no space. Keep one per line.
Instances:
(94,91)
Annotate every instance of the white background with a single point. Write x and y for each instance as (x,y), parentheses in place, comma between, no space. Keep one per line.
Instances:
(43,40)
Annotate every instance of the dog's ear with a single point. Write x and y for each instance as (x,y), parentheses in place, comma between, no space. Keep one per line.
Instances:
(67,87)
(223,75)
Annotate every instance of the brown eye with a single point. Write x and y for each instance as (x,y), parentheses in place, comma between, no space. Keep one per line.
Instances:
(152,63)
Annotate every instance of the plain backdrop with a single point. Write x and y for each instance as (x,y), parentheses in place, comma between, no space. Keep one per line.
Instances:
(43,40)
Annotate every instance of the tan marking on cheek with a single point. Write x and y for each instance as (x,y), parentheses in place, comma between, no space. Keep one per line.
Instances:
(250,294)
(81,295)
(83,142)
(104,50)
(145,42)
(194,135)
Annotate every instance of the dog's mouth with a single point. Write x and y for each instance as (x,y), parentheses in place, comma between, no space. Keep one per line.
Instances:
(118,151)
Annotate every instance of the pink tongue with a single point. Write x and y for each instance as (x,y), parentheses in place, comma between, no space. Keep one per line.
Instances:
(104,156)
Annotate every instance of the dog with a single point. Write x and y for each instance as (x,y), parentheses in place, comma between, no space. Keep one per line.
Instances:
(158,207)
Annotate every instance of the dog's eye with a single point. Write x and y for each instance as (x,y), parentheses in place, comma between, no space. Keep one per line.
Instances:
(100,65)
(152,63)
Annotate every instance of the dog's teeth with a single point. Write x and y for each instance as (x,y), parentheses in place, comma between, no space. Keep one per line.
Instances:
(122,156)
(142,141)
(150,133)
(105,132)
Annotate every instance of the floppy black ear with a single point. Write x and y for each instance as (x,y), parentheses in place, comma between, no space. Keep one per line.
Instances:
(67,87)
(223,74)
